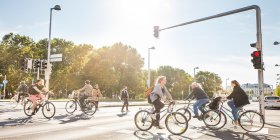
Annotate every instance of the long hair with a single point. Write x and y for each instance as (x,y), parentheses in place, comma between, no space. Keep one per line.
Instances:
(235,82)
(159,79)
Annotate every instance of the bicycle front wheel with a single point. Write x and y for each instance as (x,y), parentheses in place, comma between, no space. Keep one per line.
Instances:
(90,108)
(143,120)
(48,110)
(214,119)
(13,102)
(176,123)
(71,106)
(186,112)
(251,121)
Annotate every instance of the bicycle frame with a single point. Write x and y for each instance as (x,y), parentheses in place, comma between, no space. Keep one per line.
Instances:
(226,111)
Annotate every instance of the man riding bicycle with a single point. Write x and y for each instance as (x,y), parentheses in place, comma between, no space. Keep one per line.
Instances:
(86,91)
(22,90)
(36,93)
(200,96)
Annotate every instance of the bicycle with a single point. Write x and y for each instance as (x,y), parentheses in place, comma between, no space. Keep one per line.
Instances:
(71,106)
(186,110)
(14,101)
(144,121)
(48,108)
(249,120)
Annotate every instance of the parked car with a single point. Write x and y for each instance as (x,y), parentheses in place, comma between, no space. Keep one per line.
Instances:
(255,99)
(271,101)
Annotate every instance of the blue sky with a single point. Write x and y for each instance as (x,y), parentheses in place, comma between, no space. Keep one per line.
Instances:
(219,45)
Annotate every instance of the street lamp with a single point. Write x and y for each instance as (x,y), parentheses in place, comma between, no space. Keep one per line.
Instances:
(149,71)
(226,82)
(276,43)
(194,72)
(48,73)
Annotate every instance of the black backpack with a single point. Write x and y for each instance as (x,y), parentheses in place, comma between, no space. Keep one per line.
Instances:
(215,103)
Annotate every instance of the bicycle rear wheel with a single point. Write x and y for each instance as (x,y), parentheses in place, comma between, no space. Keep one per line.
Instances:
(71,106)
(186,112)
(251,121)
(143,120)
(214,119)
(27,108)
(48,110)
(176,123)
(90,108)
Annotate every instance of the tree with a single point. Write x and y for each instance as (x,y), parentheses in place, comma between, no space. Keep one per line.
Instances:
(277,91)
(210,82)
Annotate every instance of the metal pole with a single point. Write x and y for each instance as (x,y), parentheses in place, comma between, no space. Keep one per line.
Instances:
(5,87)
(149,71)
(194,74)
(48,73)
(38,74)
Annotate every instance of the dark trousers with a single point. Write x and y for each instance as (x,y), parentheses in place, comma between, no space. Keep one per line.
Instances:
(82,101)
(158,106)
(96,102)
(125,103)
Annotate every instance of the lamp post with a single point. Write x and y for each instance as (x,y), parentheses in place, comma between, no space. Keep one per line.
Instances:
(149,70)
(194,72)
(226,82)
(276,43)
(48,73)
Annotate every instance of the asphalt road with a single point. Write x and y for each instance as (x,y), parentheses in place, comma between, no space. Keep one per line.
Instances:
(110,124)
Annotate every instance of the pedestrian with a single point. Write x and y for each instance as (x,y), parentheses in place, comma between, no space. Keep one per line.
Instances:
(96,94)
(239,99)
(124,98)
(22,89)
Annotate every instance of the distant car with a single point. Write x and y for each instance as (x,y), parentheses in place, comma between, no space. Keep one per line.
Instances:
(255,99)
(271,101)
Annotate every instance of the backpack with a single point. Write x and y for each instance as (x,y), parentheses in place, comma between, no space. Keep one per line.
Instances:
(215,103)
(148,92)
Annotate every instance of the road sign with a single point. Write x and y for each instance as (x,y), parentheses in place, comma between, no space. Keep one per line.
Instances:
(1,85)
(56,59)
(56,56)
(5,81)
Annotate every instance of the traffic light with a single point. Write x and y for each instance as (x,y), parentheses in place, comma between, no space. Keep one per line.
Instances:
(23,64)
(36,64)
(44,64)
(257,59)
(156,31)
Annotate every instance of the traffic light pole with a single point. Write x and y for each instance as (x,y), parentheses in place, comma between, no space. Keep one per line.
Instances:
(259,42)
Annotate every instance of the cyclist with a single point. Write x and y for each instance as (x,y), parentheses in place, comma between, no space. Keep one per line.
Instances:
(200,96)
(22,90)
(35,93)
(240,98)
(86,91)
(159,93)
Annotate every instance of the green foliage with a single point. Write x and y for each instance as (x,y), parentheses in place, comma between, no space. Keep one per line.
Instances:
(277,91)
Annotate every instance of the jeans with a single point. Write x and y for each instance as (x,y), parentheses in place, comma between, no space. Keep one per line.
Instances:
(82,100)
(234,110)
(198,105)
(158,106)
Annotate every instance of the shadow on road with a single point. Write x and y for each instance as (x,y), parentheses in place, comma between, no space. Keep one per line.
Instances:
(64,119)
(17,121)
(121,115)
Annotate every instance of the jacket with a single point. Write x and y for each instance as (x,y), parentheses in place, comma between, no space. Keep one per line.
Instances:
(198,93)
(96,94)
(124,95)
(86,90)
(240,98)
(157,93)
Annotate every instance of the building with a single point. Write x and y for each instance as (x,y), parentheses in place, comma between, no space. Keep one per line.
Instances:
(253,91)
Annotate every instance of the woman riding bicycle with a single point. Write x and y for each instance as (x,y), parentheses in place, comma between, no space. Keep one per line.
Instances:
(240,98)
(200,96)
(159,93)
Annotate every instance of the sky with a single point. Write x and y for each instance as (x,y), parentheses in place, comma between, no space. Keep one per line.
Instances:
(220,45)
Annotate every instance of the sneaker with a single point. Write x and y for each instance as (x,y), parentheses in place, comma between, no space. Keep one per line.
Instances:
(195,116)
(160,127)
(235,127)
(127,111)
(122,111)
(153,116)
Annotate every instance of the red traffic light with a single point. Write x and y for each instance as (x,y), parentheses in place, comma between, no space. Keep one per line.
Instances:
(256,54)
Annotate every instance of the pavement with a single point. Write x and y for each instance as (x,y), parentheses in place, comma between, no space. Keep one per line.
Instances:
(110,124)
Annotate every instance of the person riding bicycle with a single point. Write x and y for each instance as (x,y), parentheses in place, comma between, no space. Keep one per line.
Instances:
(36,92)
(159,93)
(86,91)
(22,90)
(200,96)
(239,99)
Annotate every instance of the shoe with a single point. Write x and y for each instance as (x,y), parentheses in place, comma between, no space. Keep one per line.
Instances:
(122,111)
(235,127)
(127,111)
(33,113)
(153,116)
(160,127)
(195,116)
